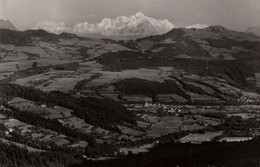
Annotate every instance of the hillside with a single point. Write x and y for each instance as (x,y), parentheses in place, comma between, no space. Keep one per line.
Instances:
(204,51)
(64,98)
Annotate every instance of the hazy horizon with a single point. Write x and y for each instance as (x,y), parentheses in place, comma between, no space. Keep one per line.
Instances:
(233,14)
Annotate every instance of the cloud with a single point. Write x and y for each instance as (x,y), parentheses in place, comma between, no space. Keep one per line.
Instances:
(198,26)
(135,25)
(51,26)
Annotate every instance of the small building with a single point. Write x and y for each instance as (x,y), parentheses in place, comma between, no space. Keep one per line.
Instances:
(43,105)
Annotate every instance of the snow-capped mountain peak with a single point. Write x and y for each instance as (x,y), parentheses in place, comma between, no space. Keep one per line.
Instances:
(137,25)
(198,26)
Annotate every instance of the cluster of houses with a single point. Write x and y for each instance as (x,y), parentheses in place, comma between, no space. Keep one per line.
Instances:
(249,100)
(163,107)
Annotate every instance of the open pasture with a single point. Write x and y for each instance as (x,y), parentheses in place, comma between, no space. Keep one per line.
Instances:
(199,97)
(199,138)
(150,118)
(30,149)
(35,132)
(207,120)
(27,105)
(4,75)
(224,88)
(80,125)
(9,66)
(250,94)
(15,57)
(136,150)
(109,77)
(168,98)
(145,45)
(59,84)
(137,98)
(235,139)
(81,144)
(183,56)
(130,131)
(52,80)
(76,123)
(32,50)
(192,127)
(60,140)
(98,47)
(42,109)
(203,87)
(164,126)
(143,124)
(242,115)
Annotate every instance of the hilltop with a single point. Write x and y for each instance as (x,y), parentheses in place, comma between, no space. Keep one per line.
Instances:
(254,30)
(6,24)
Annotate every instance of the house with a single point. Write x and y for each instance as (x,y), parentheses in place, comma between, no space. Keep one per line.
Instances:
(43,105)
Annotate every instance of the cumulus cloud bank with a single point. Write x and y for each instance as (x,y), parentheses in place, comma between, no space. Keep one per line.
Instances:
(51,26)
(122,26)
(198,26)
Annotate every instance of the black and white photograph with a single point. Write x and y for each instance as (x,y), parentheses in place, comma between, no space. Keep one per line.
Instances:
(129,83)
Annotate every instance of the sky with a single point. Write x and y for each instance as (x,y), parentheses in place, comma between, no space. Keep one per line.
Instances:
(233,14)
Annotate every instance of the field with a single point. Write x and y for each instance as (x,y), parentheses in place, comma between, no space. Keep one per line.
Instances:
(199,97)
(207,120)
(42,109)
(63,115)
(136,98)
(164,126)
(14,125)
(52,80)
(8,66)
(98,47)
(30,149)
(235,139)
(129,131)
(257,75)
(168,98)
(111,77)
(225,88)
(203,87)
(199,138)
(242,115)
(136,150)
(64,84)
(250,94)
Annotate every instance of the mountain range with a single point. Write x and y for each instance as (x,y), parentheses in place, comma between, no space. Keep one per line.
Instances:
(122,27)
(137,25)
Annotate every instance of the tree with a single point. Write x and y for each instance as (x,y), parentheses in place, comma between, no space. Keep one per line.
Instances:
(35,64)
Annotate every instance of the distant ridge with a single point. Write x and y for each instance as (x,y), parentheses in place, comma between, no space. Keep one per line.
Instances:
(254,30)
(6,24)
